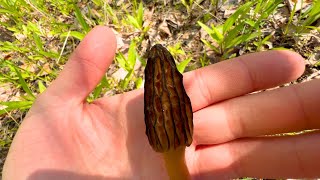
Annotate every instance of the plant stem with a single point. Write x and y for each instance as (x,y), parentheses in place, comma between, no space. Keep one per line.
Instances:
(176,165)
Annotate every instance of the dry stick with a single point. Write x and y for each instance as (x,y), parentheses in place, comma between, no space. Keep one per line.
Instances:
(168,111)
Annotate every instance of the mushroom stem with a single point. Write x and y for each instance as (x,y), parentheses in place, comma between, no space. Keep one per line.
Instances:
(176,165)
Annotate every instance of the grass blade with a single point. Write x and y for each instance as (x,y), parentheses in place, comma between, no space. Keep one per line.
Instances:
(235,16)
(13,105)
(24,84)
(74,34)
(80,19)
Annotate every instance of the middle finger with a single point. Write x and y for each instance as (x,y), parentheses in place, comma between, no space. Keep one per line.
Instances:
(282,110)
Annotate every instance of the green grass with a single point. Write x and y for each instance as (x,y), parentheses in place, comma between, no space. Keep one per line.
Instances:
(42,35)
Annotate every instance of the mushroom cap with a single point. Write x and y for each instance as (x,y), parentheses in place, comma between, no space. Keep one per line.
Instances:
(167,107)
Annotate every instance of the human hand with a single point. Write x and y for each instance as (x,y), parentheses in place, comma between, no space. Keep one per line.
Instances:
(63,137)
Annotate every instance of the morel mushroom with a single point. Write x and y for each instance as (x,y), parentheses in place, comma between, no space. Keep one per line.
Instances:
(168,111)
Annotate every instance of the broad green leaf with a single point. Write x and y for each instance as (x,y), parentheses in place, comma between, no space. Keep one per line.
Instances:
(14,105)
(41,86)
(183,64)
(50,54)
(139,82)
(132,55)
(122,61)
(218,34)
(5,11)
(74,34)
(243,39)
(176,49)
(206,28)
(232,34)
(214,32)
(134,22)
(250,22)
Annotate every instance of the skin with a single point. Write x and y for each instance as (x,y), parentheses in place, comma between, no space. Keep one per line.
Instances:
(64,137)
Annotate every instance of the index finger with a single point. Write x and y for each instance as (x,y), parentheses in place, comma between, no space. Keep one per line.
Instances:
(241,75)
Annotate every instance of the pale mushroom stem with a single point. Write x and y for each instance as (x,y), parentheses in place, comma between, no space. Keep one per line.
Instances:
(176,165)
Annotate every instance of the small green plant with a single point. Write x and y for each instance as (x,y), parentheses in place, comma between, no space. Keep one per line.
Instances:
(230,34)
(177,50)
(16,76)
(239,28)
(111,15)
(263,41)
(305,19)
(137,19)
(312,14)
(290,18)
(100,90)
(216,3)
(204,60)
(188,4)
(128,64)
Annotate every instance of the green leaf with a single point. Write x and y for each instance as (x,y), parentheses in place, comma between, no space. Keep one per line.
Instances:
(140,14)
(139,82)
(98,90)
(251,22)
(211,46)
(218,34)
(317,64)
(41,86)
(206,28)
(24,84)
(80,19)
(214,32)
(33,28)
(241,11)
(21,79)
(74,34)
(38,41)
(233,33)
(122,61)
(14,105)
(243,39)
(183,64)
(132,55)
(125,82)
(280,48)
(134,22)
(176,49)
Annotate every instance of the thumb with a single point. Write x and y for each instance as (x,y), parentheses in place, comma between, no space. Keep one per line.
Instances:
(86,66)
